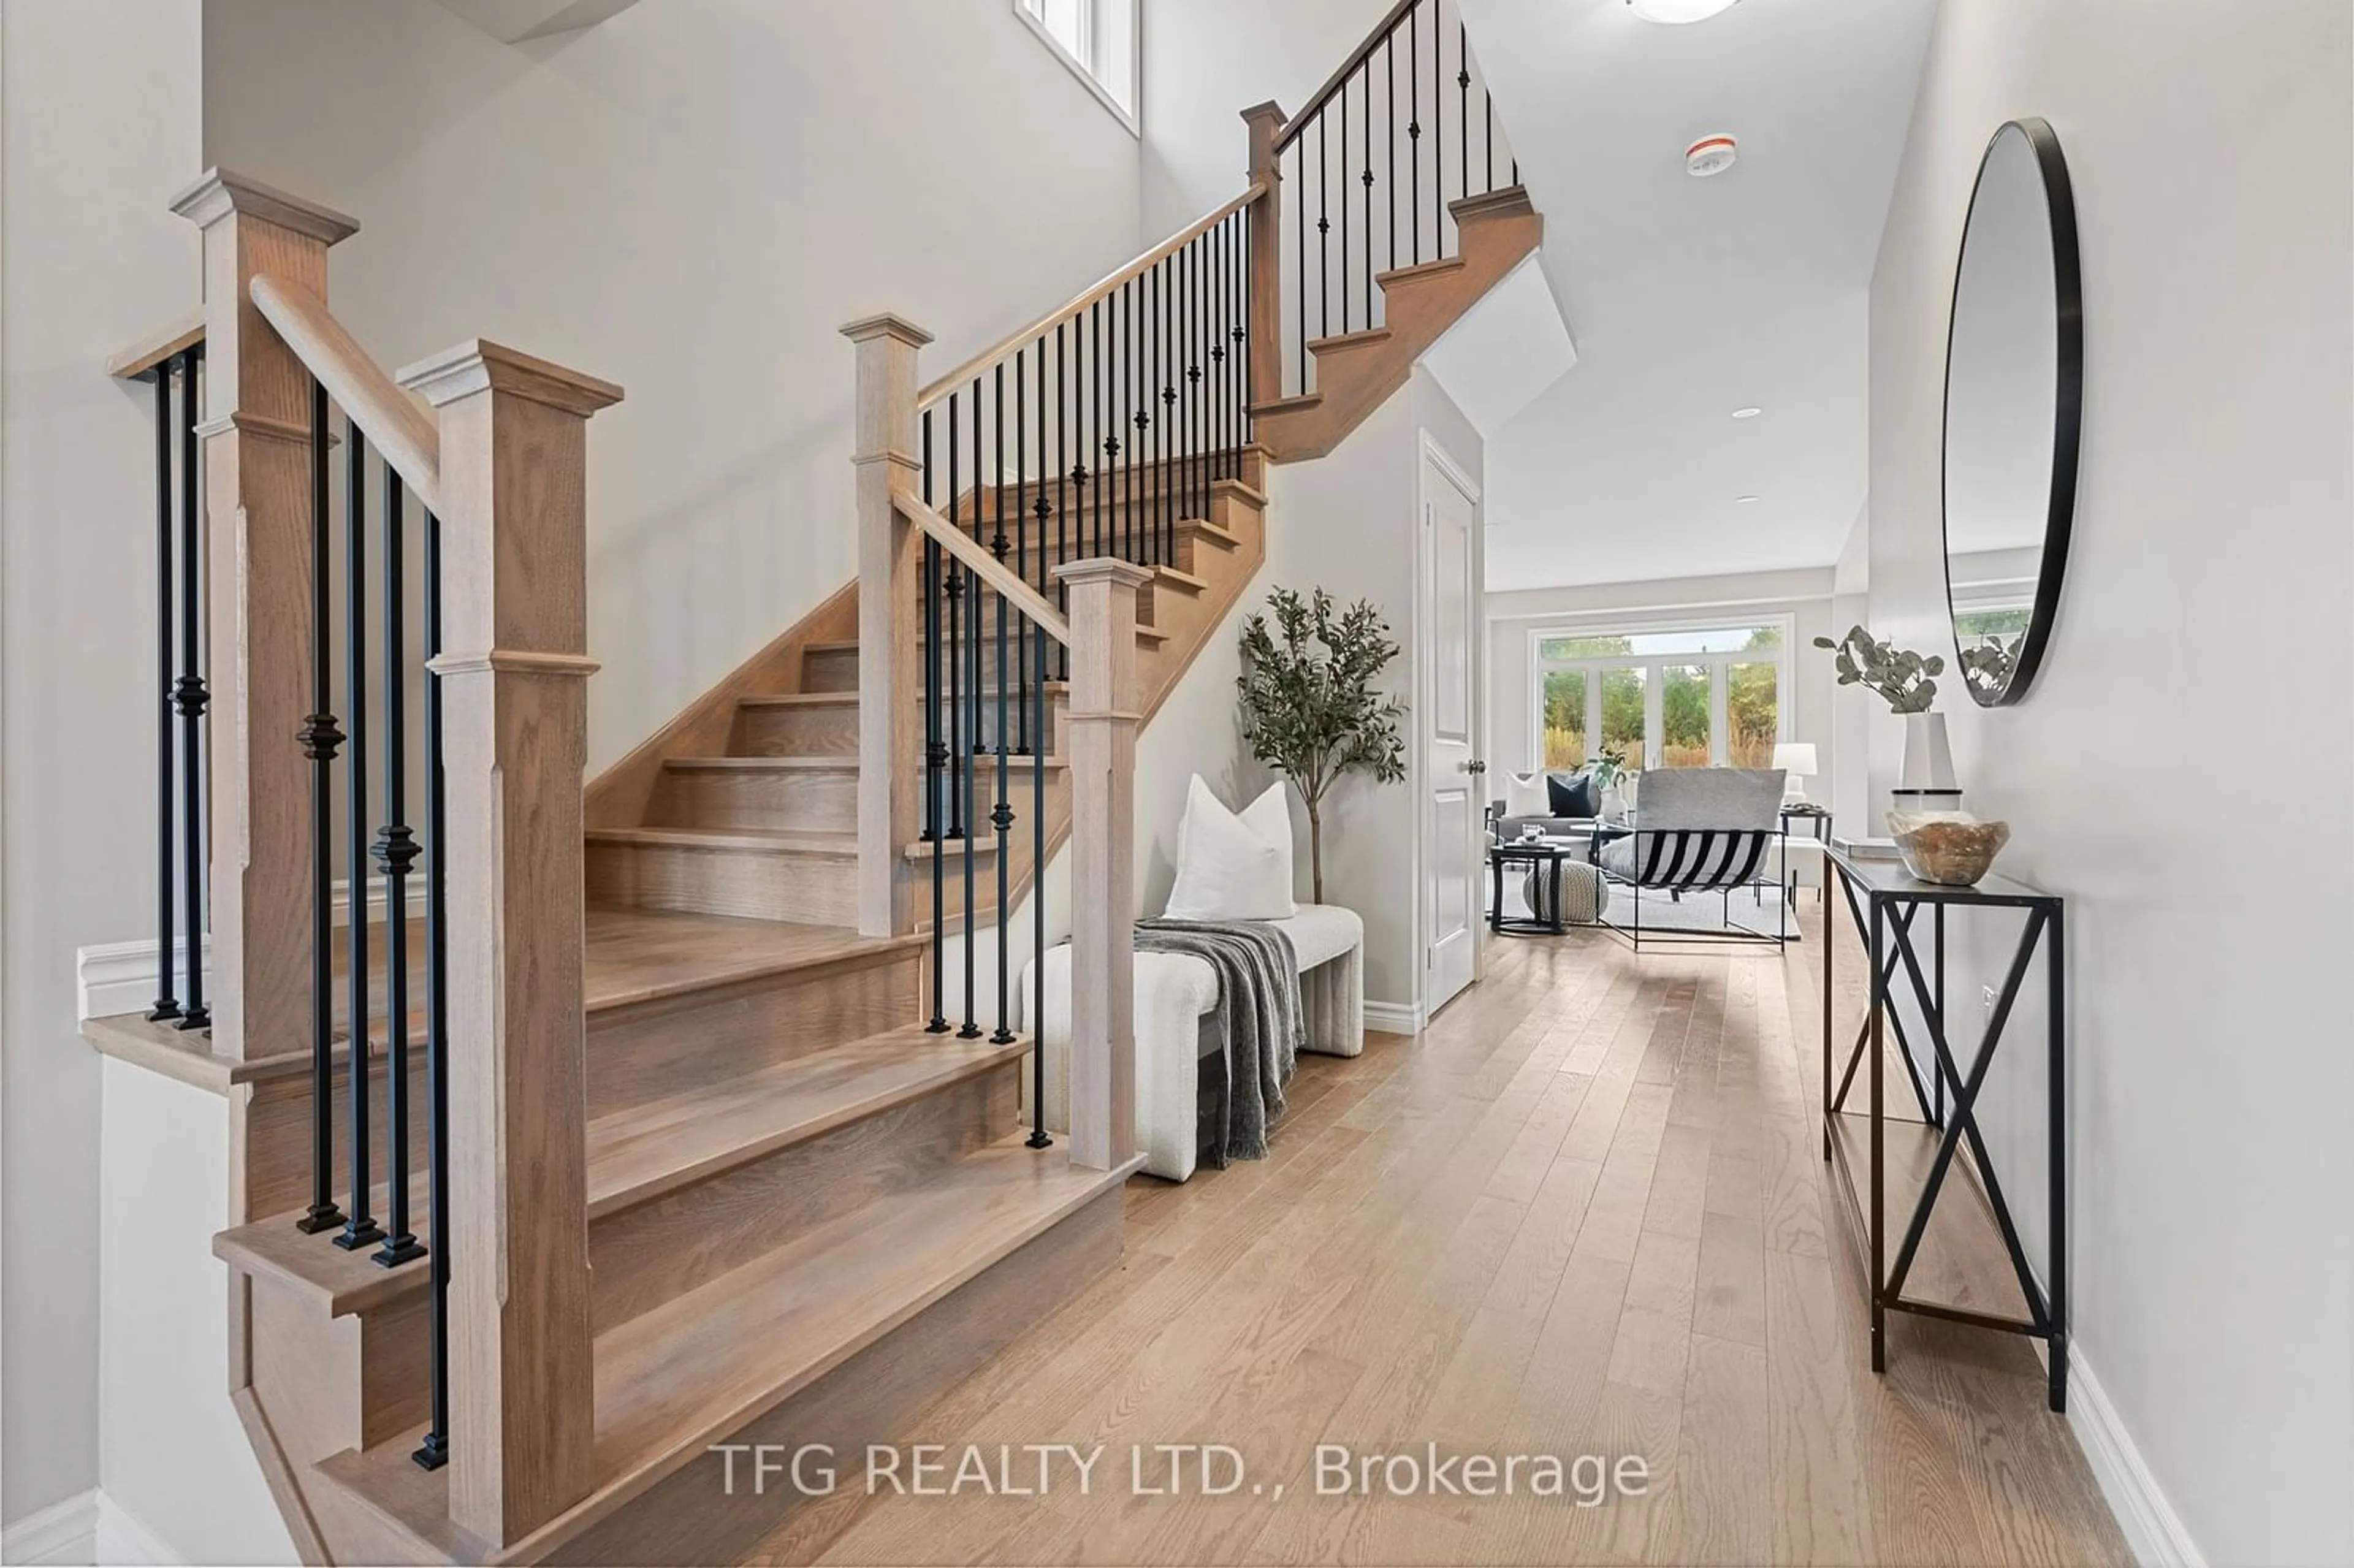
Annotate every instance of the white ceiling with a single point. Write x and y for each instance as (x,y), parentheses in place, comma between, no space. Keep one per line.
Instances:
(1507,349)
(1691,297)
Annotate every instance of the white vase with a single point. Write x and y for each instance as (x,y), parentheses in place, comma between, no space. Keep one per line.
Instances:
(1926,781)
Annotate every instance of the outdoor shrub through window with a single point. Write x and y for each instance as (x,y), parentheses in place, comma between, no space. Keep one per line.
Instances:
(1696,697)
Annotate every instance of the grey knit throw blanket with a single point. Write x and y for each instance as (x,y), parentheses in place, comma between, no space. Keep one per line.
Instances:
(1260,1025)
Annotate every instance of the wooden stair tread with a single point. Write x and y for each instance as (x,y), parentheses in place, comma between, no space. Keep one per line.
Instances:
(700,1366)
(801,700)
(1390,278)
(641,1152)
(1364,337)
(817,764)
(696,1370)
(759,840)
(340,1282)
(1184,580)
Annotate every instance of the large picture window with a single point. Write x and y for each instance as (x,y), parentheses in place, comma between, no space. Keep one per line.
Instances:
(1695,696)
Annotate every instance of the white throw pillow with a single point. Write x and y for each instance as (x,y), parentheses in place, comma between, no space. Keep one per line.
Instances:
(1231,867)
(1525,795)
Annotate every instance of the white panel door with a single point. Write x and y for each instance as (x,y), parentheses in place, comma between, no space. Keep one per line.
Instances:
(1451,768)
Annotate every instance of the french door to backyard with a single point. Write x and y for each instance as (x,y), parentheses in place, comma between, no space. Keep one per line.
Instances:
(1684,697)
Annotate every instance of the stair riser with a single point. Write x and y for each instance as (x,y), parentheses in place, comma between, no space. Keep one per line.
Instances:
(798,731)
(757,884)
(278,1133)
(830,670)
(338,1382)
(874,1397)
(643,1054)
(785,799)
(659,1250)
(1231,511)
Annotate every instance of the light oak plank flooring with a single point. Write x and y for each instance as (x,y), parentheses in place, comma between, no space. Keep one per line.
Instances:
(1584,1212)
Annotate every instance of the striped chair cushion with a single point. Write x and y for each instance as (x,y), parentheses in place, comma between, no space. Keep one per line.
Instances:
(1688,860)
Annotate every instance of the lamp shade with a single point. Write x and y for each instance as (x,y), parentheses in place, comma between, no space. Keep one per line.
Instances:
(1677,12)
(1796,759)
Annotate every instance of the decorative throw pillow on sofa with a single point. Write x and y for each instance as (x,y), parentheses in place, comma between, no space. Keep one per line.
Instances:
(1573,794)
(1526,795)
(1233,865)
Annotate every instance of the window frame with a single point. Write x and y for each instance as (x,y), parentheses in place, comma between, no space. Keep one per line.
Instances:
(1091,72)
(1655,666)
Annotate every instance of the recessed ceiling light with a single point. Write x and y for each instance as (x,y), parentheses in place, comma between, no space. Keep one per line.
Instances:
(1746,413)
(1744,500)
(1677,12)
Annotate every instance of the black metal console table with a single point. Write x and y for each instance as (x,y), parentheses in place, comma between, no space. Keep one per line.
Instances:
(1885,901)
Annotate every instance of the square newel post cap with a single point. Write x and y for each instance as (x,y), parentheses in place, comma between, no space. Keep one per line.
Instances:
(219,192)
(1271,112)
(886,325)
(484,365)
(1103,569)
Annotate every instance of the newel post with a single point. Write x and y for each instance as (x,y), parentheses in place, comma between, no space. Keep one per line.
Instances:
(1102,720)
(1265,121)
(514,620)
(257,467)
(890,725)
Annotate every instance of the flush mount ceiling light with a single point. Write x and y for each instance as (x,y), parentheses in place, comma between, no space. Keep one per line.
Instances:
(1677,12)
(1746,413)
(1710,156)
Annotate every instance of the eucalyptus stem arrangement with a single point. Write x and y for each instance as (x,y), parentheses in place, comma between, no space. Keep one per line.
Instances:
(1904,680)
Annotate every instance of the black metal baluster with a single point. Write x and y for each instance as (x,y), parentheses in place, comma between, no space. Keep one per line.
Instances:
(1164,288)
(1299,188)
(167,1000)
(1244,338)
(321,737)
(360,1230)
(1463,102)
(1095,442)
(975,610)
(1324,233)
(1020,551)
(190,691)
(1002,819)
(1488,114)
(936,756)
(1038,1137)
(1220,252)
(1367,179)
(1066,419)
(1389,60)
(434,1452)
(951,649)
(1413,129)
(998,546)
(1439,135)
(396,852)
(1139,306)
(1341,98)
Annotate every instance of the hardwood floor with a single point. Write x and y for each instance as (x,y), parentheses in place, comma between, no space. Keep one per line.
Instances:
(1584,1213)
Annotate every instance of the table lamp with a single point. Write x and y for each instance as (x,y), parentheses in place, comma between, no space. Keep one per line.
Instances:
(1796,759)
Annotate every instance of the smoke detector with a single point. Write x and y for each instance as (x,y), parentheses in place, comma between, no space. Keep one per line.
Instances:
(1710,156)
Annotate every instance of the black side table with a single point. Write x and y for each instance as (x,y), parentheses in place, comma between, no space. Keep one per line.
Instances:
(1886,900)
(1542,856)
(1819,828)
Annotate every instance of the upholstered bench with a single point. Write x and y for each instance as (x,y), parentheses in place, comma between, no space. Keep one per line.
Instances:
(1175,993)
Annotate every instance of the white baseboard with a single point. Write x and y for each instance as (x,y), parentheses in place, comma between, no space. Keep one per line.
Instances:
(122,1540)
(1393,1017)
(62,1532)
(2151,1527)
(114,978)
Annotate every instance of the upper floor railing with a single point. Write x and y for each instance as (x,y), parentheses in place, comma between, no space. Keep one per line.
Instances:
(1376,159)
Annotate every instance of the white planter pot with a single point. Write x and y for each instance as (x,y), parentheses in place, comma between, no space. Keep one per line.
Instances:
(1926,781)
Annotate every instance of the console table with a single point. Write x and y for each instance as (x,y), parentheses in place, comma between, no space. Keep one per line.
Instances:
(1970,1239)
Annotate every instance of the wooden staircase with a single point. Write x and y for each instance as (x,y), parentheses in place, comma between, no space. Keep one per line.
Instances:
(713,1176)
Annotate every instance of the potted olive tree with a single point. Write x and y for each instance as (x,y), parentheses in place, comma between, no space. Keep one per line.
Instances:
(1309,710)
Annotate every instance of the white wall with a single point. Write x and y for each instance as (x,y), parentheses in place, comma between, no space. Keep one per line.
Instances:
(98,129)
(1805,595)
(1206,61)
(2203,636)
(688,199)
(1347,522)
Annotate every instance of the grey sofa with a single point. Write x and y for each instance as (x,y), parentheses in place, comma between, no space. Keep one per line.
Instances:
(1509,828)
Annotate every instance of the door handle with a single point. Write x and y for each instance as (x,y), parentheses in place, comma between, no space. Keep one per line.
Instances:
(1474,768)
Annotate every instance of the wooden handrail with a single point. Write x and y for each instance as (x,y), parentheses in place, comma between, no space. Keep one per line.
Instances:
(991,571)
(397,422)
(1374,40)
(1088,296)
(159,348)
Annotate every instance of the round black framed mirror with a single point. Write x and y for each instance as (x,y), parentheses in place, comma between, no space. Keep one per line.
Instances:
(2014,408)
